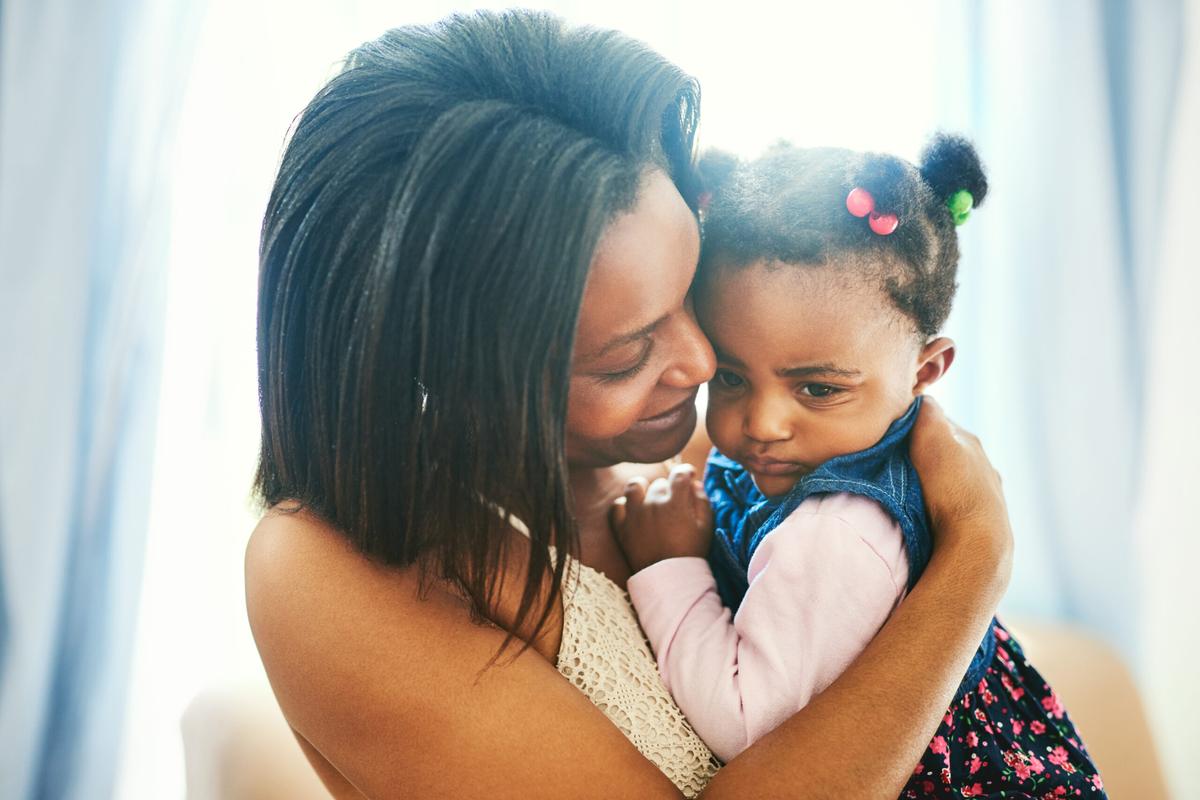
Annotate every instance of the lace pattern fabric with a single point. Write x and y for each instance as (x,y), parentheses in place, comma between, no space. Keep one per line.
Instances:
(606,656)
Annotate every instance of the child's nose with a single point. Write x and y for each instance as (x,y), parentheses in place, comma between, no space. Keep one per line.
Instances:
(766,421)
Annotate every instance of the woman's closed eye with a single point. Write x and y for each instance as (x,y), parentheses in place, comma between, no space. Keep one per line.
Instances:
(626,372)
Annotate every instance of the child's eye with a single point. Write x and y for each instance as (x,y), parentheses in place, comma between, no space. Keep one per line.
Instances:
(728,380)
(819,390)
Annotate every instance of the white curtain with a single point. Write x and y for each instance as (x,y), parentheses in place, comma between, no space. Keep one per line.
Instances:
(1168,522)
(88,94)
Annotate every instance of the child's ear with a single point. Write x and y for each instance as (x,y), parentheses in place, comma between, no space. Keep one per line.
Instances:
(935,358)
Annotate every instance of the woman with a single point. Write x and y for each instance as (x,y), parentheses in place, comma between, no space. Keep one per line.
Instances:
(473,313)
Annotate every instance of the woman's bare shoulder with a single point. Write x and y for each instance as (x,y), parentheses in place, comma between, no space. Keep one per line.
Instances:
(389,684)
(291,545)
(289,538)
(305,580)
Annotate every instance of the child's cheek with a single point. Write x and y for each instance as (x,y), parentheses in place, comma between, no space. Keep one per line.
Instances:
(723,424)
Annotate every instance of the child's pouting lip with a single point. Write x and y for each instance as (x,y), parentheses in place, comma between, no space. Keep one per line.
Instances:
(772,466)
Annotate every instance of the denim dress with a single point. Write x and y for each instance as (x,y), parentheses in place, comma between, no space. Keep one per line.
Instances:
(1006,730)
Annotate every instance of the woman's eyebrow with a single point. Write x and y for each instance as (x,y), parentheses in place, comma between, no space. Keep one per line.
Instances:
(625,339)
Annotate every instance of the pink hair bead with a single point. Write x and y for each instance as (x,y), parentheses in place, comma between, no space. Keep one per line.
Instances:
(883,224)
(860,202)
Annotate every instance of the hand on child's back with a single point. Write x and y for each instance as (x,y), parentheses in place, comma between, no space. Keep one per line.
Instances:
(669,518)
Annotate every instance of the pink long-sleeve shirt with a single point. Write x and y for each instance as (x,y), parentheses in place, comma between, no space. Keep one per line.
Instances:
(821,585)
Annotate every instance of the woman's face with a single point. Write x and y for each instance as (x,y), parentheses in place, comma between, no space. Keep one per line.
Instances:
(639,355)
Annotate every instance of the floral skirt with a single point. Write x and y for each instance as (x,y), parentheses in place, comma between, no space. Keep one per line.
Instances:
(1010,737)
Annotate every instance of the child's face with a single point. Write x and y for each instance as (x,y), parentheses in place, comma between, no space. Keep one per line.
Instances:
(812,363)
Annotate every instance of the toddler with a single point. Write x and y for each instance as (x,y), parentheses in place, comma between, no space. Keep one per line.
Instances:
(825,278)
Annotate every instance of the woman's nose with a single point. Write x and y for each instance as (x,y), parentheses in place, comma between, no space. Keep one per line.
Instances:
(694,362)
(766,421)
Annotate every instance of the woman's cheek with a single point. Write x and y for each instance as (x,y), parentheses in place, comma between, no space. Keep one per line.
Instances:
(605,412)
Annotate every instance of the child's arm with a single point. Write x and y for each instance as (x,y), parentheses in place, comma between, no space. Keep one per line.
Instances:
(821,586)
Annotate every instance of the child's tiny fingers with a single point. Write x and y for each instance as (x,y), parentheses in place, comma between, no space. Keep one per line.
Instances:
(681,473)
(636,488)
(616,514)
(659,491)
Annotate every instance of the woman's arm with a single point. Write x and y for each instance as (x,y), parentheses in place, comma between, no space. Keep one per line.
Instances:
(391,688)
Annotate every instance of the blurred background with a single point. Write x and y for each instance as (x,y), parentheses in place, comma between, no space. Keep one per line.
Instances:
(138,142)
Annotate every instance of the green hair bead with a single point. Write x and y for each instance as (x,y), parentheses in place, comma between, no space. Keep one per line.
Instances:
(960,205)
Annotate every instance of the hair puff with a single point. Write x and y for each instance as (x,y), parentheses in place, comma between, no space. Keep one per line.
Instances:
(950,164)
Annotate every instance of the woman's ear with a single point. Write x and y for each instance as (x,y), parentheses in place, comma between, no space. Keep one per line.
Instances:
(935,358)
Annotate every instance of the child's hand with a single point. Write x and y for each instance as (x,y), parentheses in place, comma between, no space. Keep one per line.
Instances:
(668,518)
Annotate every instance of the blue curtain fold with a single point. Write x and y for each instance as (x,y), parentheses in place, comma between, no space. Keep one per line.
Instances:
(1071,104)
(89,99)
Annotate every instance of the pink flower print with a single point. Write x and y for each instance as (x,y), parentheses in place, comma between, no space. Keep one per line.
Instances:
(1001,634)
(972,739)
(979,715)
(1037,726)
(1053,705)
(1058,756)
(1014,691)
(975,764)
(988,697)
(1099,784)
(938,745)
(946,775)
(1018,726)
(973,791)
(1060,790)
(1016,761)
(947,719)
(1036,764)
(1003,655)
(920,768)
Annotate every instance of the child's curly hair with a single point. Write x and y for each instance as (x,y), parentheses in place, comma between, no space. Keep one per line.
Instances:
(789,205)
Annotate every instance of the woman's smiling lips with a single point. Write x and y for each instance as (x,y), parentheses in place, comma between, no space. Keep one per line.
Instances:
(771,466)
(669,419)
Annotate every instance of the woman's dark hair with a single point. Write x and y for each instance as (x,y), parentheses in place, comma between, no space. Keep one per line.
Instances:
(789,206)
(423,260)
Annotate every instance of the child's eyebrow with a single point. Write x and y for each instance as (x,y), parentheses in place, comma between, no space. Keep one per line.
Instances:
(806,371)
(726,358)
(817,369)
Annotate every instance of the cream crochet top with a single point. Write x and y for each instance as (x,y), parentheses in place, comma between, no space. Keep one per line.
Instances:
(606,656)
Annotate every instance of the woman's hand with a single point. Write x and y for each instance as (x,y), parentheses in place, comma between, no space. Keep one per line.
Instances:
(668,518)
(962,490)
